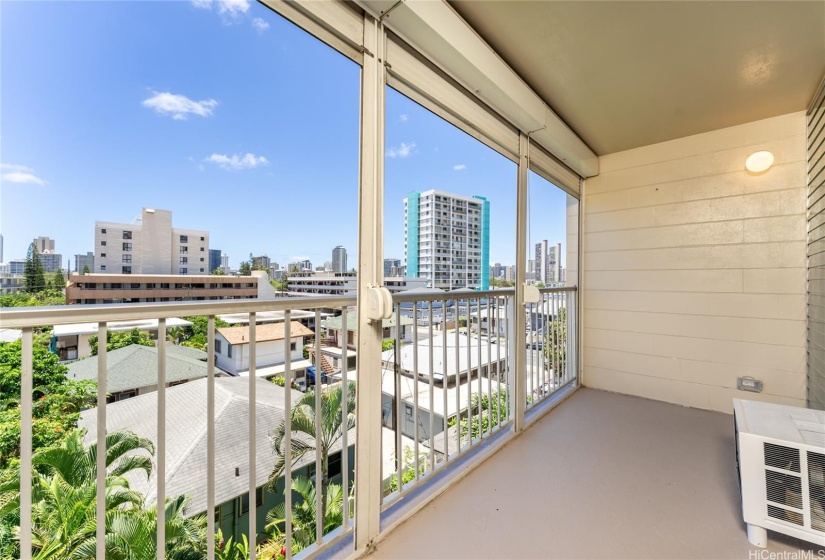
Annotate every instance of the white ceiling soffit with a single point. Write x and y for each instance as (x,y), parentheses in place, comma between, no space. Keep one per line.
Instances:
(439,33)
(635,73)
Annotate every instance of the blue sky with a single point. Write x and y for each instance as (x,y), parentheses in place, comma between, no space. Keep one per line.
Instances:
(226,114)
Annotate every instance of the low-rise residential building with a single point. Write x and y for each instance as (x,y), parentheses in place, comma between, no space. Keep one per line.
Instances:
(232,349)
(12,284)
(139,288)
(345,284)
(133,370)
(333,330)
(186,447)
(71,341)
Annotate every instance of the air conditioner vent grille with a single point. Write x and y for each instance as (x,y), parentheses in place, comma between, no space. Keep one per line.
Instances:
(785,515)
(781,457)
(816,487)
(784,488)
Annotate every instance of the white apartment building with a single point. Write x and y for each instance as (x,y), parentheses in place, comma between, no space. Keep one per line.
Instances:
(447,239)
(548,262)
(345,284)
(339,259)
(150,246)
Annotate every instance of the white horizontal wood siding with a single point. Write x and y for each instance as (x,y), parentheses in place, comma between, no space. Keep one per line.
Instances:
(694,270)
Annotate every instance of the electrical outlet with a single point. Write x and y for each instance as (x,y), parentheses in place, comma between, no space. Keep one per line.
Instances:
(749,384)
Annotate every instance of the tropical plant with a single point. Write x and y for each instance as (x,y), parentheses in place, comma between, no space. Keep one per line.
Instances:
(226,549)
(115,340)
(64,499)
(555,344)
(307,434)
(493,412)
(304,515)
(408,470)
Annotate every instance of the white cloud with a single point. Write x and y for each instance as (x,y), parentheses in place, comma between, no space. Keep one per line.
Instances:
(260,25)
(402,151)
(237,162)
(179,107)
(228,9)
(404,118)
(459,167)
(19,174)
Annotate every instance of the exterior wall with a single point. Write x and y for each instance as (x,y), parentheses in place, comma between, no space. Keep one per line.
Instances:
(816,251)
(446,239)
(694,269)
(268,354)
(98,288)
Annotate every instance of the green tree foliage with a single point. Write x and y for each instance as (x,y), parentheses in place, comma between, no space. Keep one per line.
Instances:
(195,336)
(493,412)
(64,501)
(555,345)
(25,299)
(387,344)
(407,471)
(58,280)
(218,272)
(57,401)
(33,272)
(307,434)
(246,267)
(303,518)
(115,340)
(86,269)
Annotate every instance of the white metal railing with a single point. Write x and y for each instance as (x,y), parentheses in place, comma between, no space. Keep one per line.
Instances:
(453,376)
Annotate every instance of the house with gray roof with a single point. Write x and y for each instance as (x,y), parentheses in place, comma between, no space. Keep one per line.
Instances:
(133,370)
(186,446)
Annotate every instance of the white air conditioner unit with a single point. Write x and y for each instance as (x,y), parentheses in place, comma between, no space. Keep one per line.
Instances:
(780,452)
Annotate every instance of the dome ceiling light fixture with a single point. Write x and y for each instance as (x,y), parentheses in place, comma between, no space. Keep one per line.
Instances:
(758,162)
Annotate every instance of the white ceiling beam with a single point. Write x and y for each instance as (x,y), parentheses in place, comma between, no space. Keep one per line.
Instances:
(440,34)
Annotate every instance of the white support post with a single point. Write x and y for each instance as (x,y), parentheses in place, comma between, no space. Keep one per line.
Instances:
(26,431)
(161,444)
(518,328)
(370,274)
(100,507)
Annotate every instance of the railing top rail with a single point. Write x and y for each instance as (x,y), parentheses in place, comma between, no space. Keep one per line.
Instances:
(22,317)
(558,289)
(413,297)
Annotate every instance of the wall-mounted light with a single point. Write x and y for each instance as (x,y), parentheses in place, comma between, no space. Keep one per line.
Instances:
(758,162)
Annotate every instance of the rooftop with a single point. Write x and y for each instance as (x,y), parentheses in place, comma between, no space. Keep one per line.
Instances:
(136,366)
(264,333)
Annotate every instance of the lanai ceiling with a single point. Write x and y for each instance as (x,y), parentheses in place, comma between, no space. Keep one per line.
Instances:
(629,74)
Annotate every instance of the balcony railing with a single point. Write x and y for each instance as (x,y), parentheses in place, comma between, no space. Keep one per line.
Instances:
(450,385)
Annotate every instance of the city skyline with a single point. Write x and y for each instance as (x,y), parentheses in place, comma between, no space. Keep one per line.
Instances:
(130,129)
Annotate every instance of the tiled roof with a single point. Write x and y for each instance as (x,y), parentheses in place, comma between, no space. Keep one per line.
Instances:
(186,438)
(136,366)
(264,333)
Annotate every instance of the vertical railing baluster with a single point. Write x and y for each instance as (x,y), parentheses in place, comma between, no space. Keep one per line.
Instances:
(511,395)
(100,529)
(344,418)
(26,422)
(287,445)
(319,474)
(478,370)
(489,368)
(444,378)
(415,382)
(399,453)
(253,433)
(431,345)
(160,475)
(210,438)
(469,379)
(457,375)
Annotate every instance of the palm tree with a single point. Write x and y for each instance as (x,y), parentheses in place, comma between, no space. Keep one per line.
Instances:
(303,518)
(307,435)
(64,496)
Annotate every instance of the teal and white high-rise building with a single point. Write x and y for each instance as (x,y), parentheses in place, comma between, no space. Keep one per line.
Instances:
(447,239)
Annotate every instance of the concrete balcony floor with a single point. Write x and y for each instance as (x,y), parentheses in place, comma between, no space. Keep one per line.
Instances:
(601,476)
